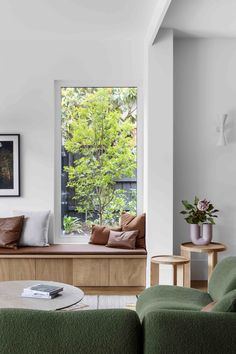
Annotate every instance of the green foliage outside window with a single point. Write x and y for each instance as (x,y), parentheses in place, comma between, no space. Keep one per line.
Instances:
(99,129)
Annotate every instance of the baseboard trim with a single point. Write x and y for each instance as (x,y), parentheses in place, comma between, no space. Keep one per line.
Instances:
(112,290)
(200,285)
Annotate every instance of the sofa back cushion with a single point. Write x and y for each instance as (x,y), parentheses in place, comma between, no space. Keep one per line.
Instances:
(223,278)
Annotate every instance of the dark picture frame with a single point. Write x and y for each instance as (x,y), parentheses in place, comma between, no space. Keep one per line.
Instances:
(9,165)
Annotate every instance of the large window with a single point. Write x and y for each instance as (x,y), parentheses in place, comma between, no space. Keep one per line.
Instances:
(98,155)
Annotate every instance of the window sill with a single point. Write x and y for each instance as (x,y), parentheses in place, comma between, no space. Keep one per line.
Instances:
(76,239)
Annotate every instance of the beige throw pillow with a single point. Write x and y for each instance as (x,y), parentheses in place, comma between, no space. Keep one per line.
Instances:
(35,229)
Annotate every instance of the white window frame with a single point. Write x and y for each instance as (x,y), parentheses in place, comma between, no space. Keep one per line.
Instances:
(58,237)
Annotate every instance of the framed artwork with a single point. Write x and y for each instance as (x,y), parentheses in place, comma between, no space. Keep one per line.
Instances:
(9,165)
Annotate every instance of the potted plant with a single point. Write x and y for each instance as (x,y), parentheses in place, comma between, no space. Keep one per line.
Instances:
(200,214)
(71,224)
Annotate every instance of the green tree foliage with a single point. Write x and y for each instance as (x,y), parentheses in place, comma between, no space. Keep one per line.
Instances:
(99,128)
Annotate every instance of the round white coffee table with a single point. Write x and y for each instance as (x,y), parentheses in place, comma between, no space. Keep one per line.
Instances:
(10,296)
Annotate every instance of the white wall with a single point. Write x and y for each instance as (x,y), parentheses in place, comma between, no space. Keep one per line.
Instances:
(204,88)
(159,146)
(28,70)
(202,18)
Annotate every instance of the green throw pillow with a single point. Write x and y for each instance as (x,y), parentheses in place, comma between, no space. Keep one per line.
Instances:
(227,303)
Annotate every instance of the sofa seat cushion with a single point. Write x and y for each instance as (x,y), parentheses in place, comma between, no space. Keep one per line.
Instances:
(171,298)
(67,249)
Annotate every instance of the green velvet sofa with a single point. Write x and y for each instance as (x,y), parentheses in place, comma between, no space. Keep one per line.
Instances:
(83,332)
(168,321)
(173,323)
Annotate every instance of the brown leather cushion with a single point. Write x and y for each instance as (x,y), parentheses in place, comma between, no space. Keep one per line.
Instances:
(100,234)
(137,223)
(73,249)
(126,218)
(123,239)
(10,231)
(209,307)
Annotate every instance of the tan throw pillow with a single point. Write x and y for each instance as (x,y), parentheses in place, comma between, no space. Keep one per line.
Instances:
(122,239)
(10,231)
(209,307)
(100,234)
(126,218)
(137,223)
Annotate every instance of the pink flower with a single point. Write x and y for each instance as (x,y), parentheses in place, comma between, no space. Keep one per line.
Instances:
(203,205)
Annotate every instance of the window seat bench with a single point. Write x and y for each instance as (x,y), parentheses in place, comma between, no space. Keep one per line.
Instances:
(94,268)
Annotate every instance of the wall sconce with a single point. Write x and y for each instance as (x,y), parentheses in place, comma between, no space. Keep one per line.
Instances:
(222,141)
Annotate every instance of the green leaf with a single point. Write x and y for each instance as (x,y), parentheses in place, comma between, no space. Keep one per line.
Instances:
(215,211)
(210,207)
(211,220)
(196,200)
(187,204)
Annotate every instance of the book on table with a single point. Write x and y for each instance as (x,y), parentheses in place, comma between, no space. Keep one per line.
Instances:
(42,291)
(38,296)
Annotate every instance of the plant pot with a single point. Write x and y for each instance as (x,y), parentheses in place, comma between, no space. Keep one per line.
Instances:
(197,238)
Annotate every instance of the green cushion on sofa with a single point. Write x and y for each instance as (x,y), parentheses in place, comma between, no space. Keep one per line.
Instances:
(84,332)
(171,297)
(226,304)
(223,278)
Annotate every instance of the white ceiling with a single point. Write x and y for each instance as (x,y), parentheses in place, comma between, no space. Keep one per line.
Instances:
(75,19)
(202,18)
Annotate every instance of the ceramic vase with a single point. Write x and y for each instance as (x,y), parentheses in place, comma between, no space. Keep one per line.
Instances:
(201,239)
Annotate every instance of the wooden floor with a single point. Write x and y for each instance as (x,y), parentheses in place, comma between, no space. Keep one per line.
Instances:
(121,301)
(199,284)
(109,301)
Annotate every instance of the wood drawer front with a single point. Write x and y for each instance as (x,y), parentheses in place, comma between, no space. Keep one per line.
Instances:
(127,272)
(17,269)
(91,272)
(59,270)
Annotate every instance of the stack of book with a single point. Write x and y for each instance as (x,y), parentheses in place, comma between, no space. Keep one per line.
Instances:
(42,291)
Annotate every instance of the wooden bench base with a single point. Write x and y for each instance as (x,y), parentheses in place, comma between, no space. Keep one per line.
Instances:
(97,273)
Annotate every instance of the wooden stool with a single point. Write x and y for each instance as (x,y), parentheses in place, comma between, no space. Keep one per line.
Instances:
(212,250)
(177,263)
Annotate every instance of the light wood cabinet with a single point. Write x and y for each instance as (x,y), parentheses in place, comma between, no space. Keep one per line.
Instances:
(127,272)
(17,269)
(60,270)
(93,273)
